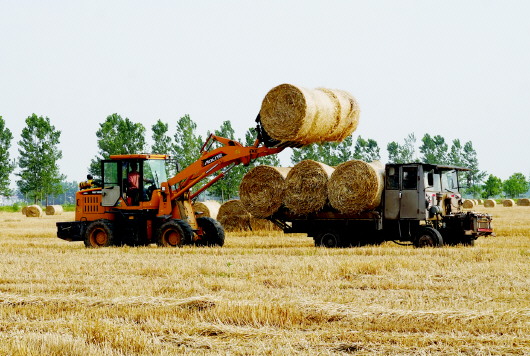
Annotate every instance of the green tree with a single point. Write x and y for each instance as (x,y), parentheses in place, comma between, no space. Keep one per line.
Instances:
(492,187)
(187,146)
(434,149)
(161,141)
(330,153)
(6,166)
(404,153)
(117,136)
(366,150)
(475,175)
(306,152)
(39,173)
(515,185)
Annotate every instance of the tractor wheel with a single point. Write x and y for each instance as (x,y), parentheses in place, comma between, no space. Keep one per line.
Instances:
(213,232)
(330,239)
(428,237)
(99,234)
(171,234)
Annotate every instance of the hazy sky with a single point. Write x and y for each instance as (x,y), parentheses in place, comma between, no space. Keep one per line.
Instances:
(460,69)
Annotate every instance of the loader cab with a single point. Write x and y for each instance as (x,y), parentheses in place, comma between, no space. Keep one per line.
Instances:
(417,191)
(132,179)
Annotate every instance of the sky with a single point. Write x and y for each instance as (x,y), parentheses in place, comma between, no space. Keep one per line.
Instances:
(459,69)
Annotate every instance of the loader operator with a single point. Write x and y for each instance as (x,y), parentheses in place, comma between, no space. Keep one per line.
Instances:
(133,184)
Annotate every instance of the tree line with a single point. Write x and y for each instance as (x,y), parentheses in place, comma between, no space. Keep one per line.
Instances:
(39,177)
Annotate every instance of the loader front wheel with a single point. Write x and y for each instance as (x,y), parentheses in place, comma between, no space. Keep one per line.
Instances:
(428,237)
(99,234)
(171,234)
(213,232)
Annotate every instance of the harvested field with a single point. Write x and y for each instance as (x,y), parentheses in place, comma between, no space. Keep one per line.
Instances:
(306,187)
(261,190)
(266,293)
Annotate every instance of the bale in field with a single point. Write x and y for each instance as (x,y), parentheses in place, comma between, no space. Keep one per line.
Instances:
(490,203)
(54,210)
(508,203)
(306,188)
(33,211)
(480,201)
(291,113)
(233,216)
(524,202)
(356,186)
(209,208)
(257,224)
(468,204)
(261,190)
(24,208)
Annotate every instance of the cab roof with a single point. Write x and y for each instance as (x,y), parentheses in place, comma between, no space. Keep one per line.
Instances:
(441,167)
(143,156)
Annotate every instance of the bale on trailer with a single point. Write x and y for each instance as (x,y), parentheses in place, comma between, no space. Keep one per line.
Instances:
(33,211)
(524,202)
(356,186)
(468,204)
(508,203)
(291,113)
(306,187)
(209,208)
(54,210)
(261,190)
(233,216)
(490,203)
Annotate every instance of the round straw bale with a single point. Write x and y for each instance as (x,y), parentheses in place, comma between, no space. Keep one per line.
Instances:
(209,208)
(468,204)
(508,203)
(54,210)
(489,203)
(524,202)
(291,113)
(356,186)
(306,187)
(233,216)
(33,211)
(480,201)
(24,208)
(262,188)
(257,224)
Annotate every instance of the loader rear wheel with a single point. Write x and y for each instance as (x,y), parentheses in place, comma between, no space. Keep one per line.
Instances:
(428,237)
(213,232)
(99,234)
(171,234)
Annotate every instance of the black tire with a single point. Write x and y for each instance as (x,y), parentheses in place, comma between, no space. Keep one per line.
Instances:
(428,237)
(330,240)
(172,234)
(99,234)
(213,232)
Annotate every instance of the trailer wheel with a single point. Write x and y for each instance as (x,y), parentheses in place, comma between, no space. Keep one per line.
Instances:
(99,234)
(171,234)
(428,237)
(213,232)
(329,239)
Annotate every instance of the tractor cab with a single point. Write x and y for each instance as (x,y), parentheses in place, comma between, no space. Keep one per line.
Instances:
(132,179)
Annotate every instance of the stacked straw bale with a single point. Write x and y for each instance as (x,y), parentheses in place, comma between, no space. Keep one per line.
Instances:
(524,202)
(490,203)
(261,190)
(235,218)
(54,210)
(33,211)
(508,203)
(356,186)
(468,204)
(209,208)
(291,113)
(306,187)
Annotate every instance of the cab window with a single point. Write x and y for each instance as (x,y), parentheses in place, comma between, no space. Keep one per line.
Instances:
(410,178)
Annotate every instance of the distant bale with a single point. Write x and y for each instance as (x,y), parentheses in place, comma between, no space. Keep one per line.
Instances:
(24,208)
(261,190)
(490,203)
(468,204)
(291,113)
(54,210)
(234,217)
(306,187)
(209,208)
(508,203)
(33,211)
(356,186)
(257,224)
(480,201)
(524,202)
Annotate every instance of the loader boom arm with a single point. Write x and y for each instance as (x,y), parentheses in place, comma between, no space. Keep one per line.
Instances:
(230,153)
